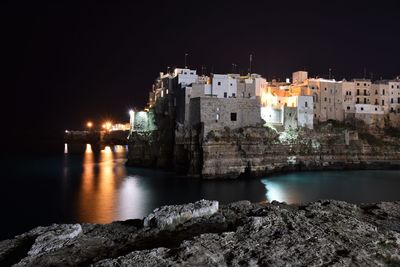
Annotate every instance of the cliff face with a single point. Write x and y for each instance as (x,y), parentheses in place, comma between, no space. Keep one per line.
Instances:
(260,150)
(323,233)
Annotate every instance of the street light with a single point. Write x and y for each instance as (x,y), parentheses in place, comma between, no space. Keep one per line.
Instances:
(89,124)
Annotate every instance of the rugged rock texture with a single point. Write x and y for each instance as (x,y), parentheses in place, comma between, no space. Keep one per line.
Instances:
(323,233)
(258,151)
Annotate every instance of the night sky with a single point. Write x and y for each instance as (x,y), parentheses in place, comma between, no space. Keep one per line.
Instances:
(68,63)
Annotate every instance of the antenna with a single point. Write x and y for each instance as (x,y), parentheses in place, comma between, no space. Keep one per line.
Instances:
(234,67)
(203,68)
(186,54)
(250,59)
(330,73)
(365,72)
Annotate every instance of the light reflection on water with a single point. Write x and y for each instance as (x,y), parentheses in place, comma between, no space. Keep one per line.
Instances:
(88,185)
(109,191)
(352,186)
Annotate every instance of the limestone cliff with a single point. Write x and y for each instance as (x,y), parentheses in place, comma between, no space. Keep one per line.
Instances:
(256,151)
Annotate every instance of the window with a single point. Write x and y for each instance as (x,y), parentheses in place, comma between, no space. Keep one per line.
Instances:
(358,84)
(350,93)
(376,101)
(219,83)
(376,92)
(365,101)
(233,95)
(326,99)
(391,100)
(325,88)
(233,116)
(185,72)
(383,91)
(383,102)
(398,100)
(225,94)
(365,92)
(376,109)
(362,108)
(217,117)
(348,108)
(365,84)
(306,104)
(358,91)
(249,95)
(358,100)
(231,84)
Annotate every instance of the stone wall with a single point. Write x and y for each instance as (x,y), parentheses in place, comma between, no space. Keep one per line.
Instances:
(218,113)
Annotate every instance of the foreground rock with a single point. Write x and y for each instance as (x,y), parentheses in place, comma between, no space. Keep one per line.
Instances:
(330,233)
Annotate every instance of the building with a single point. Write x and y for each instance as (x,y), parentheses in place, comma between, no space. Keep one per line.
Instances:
(231,100)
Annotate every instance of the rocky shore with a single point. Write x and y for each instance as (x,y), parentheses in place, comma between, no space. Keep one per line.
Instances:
(323,233)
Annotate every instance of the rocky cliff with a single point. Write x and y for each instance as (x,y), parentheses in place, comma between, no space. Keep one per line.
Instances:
(257,151)
(323,233)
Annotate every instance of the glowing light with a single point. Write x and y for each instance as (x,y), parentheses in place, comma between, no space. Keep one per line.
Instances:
(107,125)
(131,112)
(89,124)
(107,150)
(65,148)
(88,149)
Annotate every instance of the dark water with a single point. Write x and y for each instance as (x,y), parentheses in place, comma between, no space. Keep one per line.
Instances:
(98,188)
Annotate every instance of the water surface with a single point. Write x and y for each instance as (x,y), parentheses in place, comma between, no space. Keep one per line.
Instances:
(97,187)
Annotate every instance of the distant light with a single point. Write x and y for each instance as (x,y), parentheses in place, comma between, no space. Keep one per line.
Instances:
(131,112)
(89,124)
(66,131)
(107,125)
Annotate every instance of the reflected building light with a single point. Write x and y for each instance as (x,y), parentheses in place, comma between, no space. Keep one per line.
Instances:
(274,192)
(119,149)
(65,148)
(107,150)
(88,149)
(131,199)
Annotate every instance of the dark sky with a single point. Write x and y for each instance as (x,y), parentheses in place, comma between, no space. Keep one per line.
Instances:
(94,60)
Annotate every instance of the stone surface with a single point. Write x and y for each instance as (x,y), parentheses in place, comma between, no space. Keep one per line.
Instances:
(322,233)
(169,216)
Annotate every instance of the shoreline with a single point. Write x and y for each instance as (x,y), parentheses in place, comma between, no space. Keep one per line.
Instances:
(206,233)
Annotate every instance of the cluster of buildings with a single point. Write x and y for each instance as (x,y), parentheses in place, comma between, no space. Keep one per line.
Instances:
(231,100)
